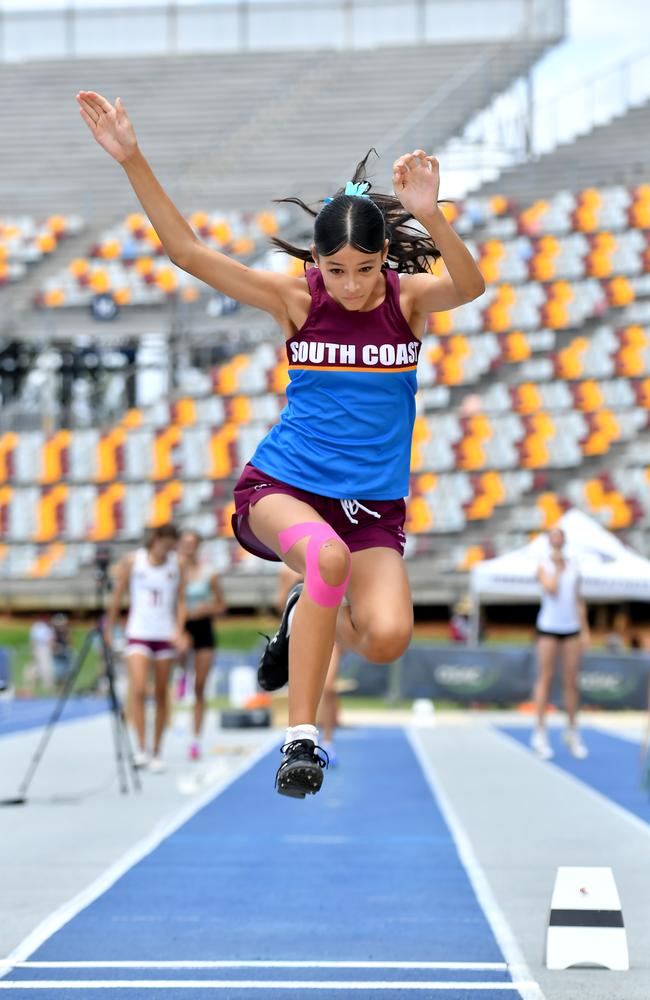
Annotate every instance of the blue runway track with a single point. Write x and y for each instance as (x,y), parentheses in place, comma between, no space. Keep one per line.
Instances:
(31,713)
(280,898)
(612,768)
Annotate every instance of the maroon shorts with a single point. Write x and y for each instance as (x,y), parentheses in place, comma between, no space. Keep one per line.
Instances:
(362,524)
(155,649)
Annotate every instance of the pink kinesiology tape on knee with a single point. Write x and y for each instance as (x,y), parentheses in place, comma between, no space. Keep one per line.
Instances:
(318,589)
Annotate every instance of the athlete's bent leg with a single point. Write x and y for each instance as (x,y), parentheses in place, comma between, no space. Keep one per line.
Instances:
(325,564)
(378,624)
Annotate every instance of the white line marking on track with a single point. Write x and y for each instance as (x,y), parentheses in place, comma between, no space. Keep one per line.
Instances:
(241,984)
(530,990)
(257,964)
(140,850)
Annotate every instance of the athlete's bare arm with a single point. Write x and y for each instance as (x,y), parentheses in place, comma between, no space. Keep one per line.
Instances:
(416,180)
(266,290)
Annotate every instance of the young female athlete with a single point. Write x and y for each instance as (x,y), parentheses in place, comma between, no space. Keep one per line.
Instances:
(154,629)
(203,602)
(324,490)
(562,630)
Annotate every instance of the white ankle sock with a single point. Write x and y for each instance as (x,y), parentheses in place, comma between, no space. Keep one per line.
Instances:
(290,618)
(302,732)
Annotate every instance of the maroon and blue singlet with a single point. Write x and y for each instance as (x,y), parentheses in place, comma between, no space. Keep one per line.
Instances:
(347,427)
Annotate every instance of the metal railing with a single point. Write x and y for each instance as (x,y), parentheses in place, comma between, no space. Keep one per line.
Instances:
(253,25)
(517,128)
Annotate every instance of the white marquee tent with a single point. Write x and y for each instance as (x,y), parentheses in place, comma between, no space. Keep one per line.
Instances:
(609,570)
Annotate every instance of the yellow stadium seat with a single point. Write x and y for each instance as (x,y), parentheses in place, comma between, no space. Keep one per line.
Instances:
(418,516)
(164,443)
(620,292)
(185,411)
(589,396)
(132,418)
(107,463)
(527,398)
(111,250)
(104,522)
(48,512)
(594,492)
(441,323)
(472,555)
(54,298)
(480,508)
(220,451)
(52,469)
(471,455)
(421,434)
(426,482)
(240,410)
(164,501)
(44,562)
(551,509)
(492,486)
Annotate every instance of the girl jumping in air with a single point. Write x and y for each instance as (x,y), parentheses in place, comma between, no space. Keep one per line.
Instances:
(324,491)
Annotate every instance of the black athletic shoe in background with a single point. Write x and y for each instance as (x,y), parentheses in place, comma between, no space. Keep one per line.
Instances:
(273,671)
(301,770)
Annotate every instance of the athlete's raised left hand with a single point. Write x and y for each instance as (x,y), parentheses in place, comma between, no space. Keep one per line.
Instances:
(416,182)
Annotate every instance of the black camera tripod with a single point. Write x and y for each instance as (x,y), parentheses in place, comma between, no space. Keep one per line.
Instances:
(123,752)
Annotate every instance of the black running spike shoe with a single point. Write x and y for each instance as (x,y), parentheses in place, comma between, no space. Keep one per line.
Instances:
(301,770)
(273,671)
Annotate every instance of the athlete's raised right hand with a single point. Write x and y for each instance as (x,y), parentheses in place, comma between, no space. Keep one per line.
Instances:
(110,125)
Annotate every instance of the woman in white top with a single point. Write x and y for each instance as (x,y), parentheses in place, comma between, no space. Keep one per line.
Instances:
(562,627)
(203,602)
(154,629)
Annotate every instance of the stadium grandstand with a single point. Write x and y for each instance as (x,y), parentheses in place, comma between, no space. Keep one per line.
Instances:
(131,394)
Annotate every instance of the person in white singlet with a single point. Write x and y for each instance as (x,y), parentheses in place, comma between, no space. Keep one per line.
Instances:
(155,580)
(203,602)
(562,628)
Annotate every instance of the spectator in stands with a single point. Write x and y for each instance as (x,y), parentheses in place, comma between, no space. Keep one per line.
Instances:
(61,649)
(562,628)
(203,602)
(41,667)
(324,491)
(154,630)
(290,586)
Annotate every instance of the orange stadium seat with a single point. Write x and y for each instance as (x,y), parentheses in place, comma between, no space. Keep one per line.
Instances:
(106,515)
(109,457)
(164,501)
(419,517)
(221,450)
(50,517)
(54,457)
(551,509)
(163,446)
(45,560)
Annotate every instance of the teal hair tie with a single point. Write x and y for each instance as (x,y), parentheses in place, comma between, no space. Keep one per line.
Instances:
(326,201)
(357,190)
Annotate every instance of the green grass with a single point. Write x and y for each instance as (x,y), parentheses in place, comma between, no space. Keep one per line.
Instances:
(233,635)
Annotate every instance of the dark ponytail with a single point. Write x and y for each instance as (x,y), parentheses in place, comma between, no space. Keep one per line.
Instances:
(365,223)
